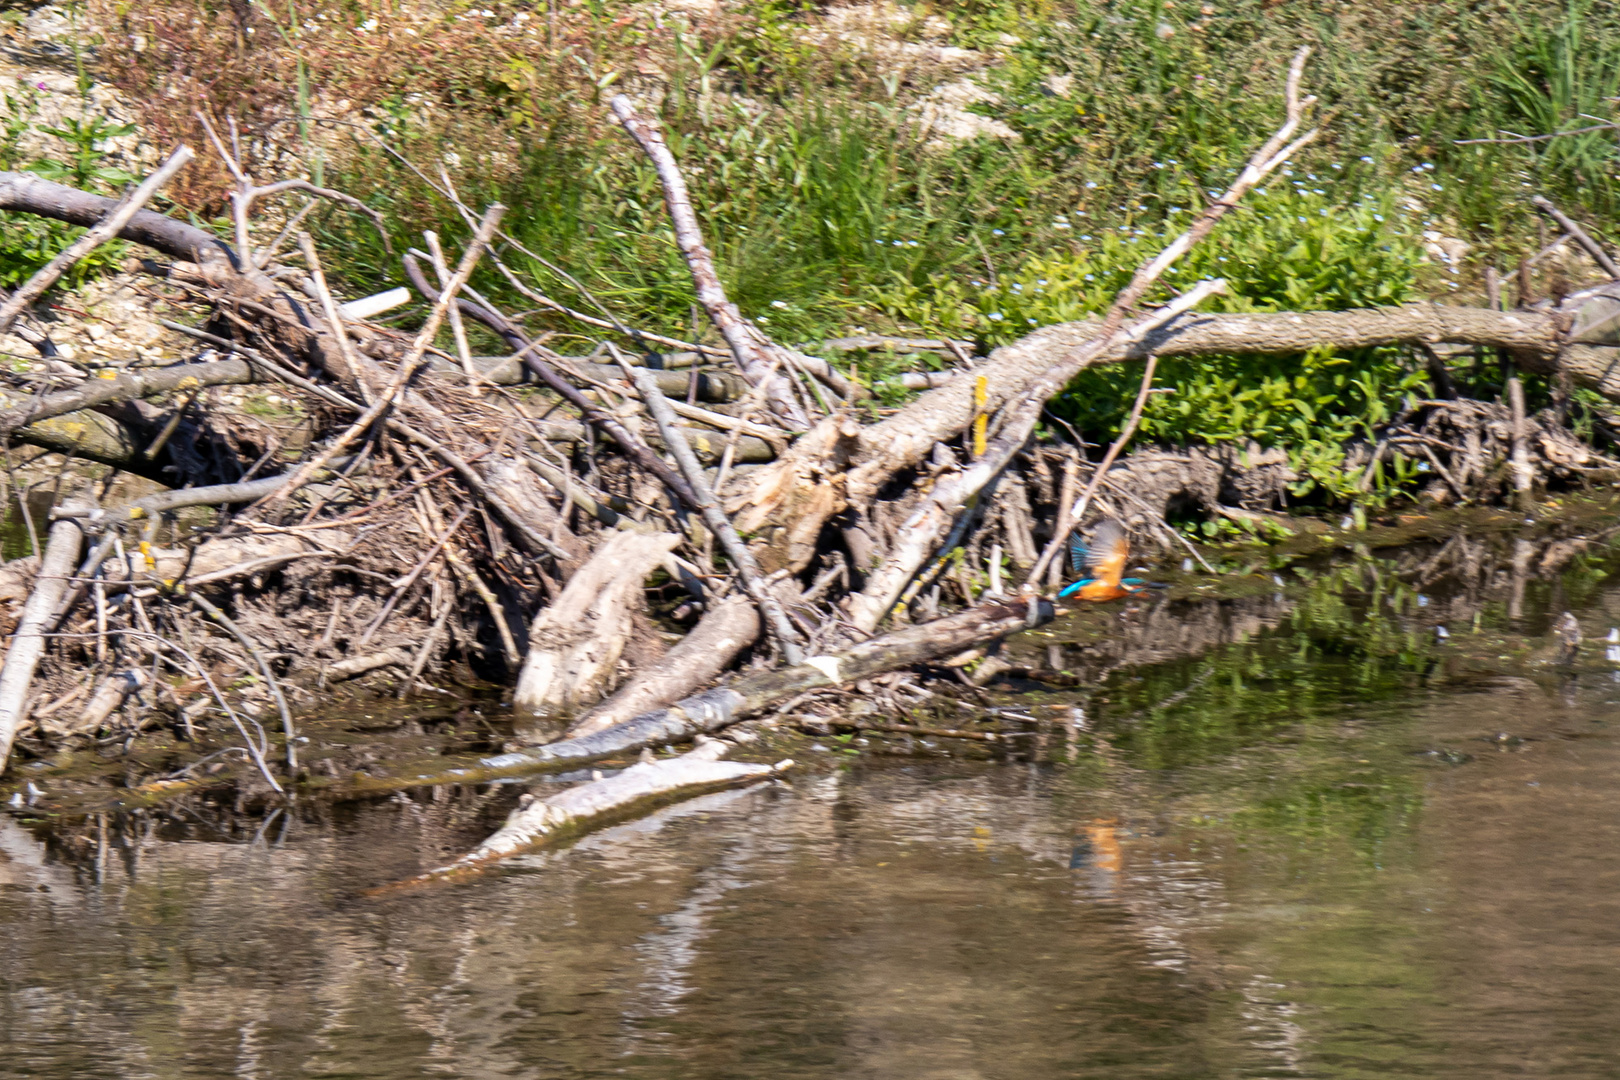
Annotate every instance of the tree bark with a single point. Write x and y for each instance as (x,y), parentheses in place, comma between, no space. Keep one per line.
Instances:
(28,643)
(700,657)
(576,642)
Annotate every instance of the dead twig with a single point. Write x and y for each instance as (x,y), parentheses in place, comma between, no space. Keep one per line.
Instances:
(1060,533)
(776,621)
(1576,233)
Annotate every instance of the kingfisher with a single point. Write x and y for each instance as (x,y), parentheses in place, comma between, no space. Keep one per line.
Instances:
(1101,564)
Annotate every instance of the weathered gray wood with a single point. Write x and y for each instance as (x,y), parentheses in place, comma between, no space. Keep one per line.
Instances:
(537,821)
(28,642)
(713,710)
(576,642)
(730,627)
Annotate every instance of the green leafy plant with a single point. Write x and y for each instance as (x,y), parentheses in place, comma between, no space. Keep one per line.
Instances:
(86,166)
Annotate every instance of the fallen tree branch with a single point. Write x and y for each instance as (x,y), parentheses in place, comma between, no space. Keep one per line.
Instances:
(788,639)
(928,524)
(576,641)
(1579,235)
(30,194)
(126,385)
(748,345)
(99,234)
(724,631)
(110,697)
(28,641)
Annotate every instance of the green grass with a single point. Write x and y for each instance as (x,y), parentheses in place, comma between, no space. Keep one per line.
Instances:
(828,210)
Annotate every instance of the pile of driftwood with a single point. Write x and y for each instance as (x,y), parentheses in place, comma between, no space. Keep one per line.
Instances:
(436,516)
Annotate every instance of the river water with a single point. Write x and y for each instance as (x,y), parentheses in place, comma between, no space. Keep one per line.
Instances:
(1291,834)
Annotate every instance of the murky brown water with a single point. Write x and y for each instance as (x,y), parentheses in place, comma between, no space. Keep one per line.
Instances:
(1309,853)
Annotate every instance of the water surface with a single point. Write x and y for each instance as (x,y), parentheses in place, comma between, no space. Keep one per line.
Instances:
(1308,839)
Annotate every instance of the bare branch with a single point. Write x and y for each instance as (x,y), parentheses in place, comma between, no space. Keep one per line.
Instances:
(1578,234)
(751,349)
(111,226)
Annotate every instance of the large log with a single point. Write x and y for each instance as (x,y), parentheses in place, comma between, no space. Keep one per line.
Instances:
(698,659)
(839,463)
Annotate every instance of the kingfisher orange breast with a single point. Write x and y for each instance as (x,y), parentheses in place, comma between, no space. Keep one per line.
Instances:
(1102,591)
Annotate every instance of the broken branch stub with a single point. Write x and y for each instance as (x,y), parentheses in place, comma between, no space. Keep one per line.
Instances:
(576,642)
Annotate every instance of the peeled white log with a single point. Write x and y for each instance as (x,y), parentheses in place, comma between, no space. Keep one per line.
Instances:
(359,665)
(709,649)
(367,306)
(576,642)
(538,820)
(110,696)
(28,643)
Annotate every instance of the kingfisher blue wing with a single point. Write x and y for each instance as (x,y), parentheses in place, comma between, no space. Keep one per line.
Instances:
(1079,552)
(1070,590)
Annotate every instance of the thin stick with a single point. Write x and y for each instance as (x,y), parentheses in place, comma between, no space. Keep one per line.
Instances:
(751,349)
(1521,454)
(422,654)
(404,583)
(1577,233)
(457,330)
(213,612)
(514,657)
(1536,138)
(407,367)
(1060,535)
(254,752)
(94,237)
(775,618)
(334,320)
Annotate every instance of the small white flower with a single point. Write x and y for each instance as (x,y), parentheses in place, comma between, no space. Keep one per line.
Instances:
(994,316)
(778,304)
